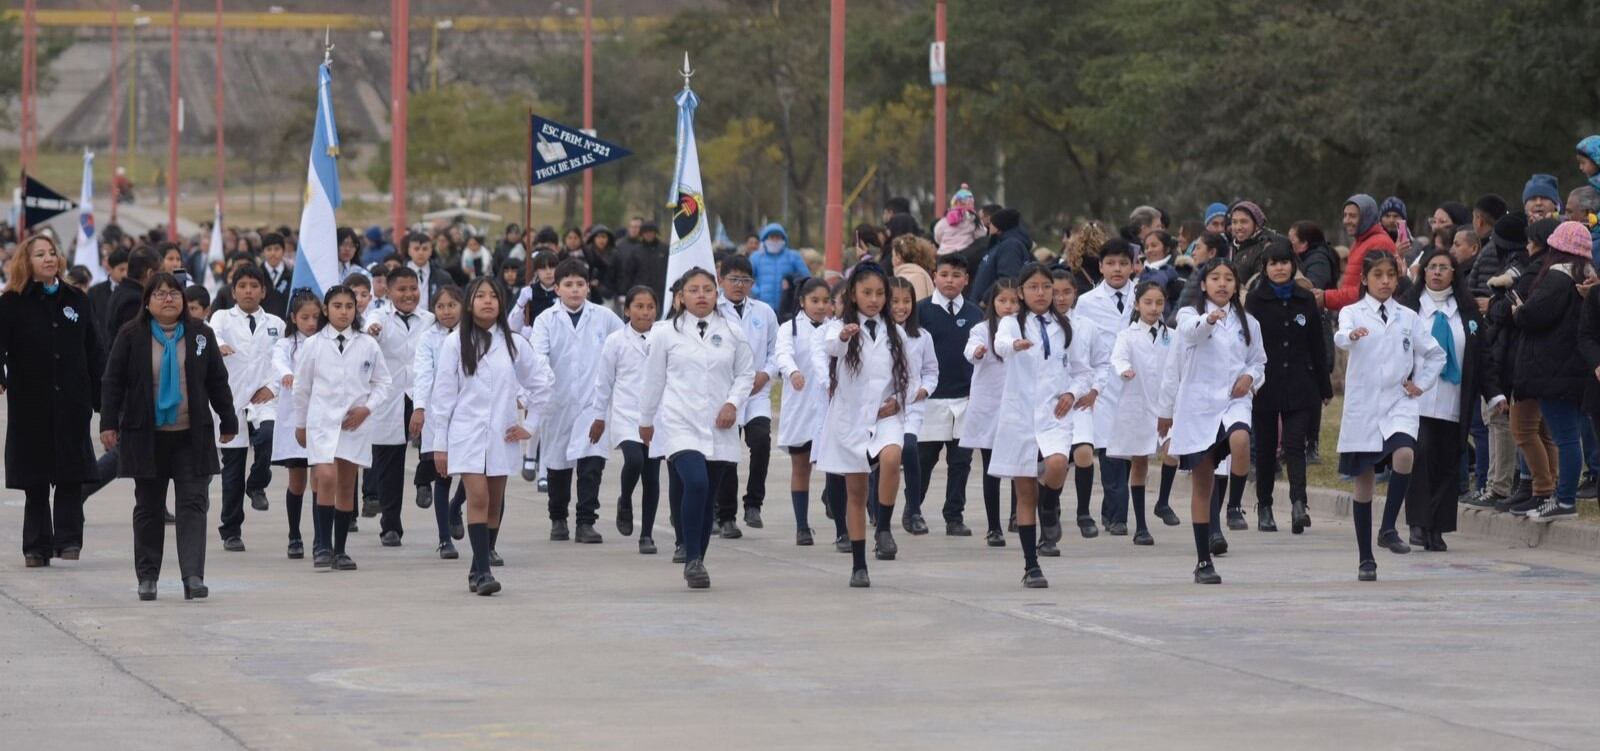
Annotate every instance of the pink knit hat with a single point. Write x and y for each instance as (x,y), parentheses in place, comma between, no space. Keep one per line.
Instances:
(1572,237)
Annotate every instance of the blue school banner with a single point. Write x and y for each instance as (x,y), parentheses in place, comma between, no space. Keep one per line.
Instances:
(558,151)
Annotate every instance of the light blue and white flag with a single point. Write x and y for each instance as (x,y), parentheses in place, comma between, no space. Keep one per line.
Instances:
(214,254)
(316,258)
(87,251)
(691,233)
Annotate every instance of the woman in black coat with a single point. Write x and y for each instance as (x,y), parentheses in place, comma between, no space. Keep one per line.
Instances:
(1447,408)
(50,353)
(163,381)
(1296,383)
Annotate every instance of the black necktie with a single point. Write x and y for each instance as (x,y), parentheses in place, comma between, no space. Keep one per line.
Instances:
(951,306)
(575,317)
(252,318)
(1044,335)
(738,307)
(1152,334)
(340,339)
(1383,312)
(872,329)
(702,326)
(815,324)
(405,318)
(1119,302)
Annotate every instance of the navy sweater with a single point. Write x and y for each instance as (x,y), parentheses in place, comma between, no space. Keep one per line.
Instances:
(949,342)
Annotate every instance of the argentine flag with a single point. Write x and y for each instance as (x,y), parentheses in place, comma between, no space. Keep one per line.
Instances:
(316,258)
(87,251)
(691,233)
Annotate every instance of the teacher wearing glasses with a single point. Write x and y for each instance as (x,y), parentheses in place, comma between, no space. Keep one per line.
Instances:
(164,380)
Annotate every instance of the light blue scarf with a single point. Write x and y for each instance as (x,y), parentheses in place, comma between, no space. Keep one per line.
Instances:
(1446,339)
(169,393)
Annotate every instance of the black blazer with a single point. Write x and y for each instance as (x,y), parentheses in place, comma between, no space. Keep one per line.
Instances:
(277,299)
(128,398)
(50,361)
(1477,379)
(1297,356)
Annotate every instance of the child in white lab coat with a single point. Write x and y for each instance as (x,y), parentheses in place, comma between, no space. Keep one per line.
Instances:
(567,340)
(246,334)
(615,405)
(1206,394)
(305,319)
(1393,360)
(1140,359)
(805,395)
(397,328)
(340,372)
(760,326)
(983,404)
(449,304)
(1047,367)
(872,383)
(1085,422)
(698,372)
(480,372)
(921,358)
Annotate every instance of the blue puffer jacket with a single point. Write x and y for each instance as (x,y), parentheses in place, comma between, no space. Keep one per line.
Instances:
(773,268)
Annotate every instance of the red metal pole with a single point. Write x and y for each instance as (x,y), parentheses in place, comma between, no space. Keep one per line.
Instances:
(833,225)
(222,159)
(116,95)
(399,88)
(939,113)
(172,129)
(29,30)
(588,106)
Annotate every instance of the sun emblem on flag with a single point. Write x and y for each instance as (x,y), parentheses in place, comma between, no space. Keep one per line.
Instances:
(686,220)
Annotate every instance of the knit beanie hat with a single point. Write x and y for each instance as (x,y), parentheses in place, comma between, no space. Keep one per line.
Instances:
(1572,237)
(1542,186)
(1512,229)
(1255,212)
(1215,210)
(1393,204)
(1492,206)
(1006,220)
(963,197)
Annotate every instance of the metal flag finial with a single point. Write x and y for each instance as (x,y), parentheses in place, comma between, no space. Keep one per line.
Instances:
(687,71)
(327,45)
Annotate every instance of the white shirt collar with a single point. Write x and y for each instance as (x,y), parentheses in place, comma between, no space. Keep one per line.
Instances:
(1110,290)
(940,300)
(1373,304)
(1157,264)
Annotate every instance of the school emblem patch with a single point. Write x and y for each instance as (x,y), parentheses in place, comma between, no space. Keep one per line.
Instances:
(1300,319)
(70,313)
(716,340)
(272,331)
(1405,344)
(199,345)
(366,365)
(962,322)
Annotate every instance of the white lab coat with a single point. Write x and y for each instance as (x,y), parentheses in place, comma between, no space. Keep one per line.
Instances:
(1034,384)
(1099,307)
(250,365)
(327,384)
(1443,401)
(988,386)
(617,384)
(399,345)
(1212,356)
(1376,405)
(921,358)
(687,380)
(424,368)
(475,411)
(852,432)
(760,329)
(285,356)
(799,351)
(1086,422)
(572,355)
(1134,433)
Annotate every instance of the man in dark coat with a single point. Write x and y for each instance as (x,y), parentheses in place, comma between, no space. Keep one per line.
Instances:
(645,262)
(1012,251)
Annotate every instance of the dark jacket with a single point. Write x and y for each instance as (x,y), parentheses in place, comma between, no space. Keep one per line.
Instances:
(1474,359)
(100,303)
(128,398)
(1589,348)
(1491,260)
(126,301)
(276,301)
(1248,257)
(1005,260)
(1320,265)
(1549,364)
(50,362)
(1297,357)
(643,263)
(1504,334)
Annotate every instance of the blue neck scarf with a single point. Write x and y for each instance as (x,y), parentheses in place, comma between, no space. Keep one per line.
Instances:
(1282,291)
(51,289)
(1447,340)
(169,393)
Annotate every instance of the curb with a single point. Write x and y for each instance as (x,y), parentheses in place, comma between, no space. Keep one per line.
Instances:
(1575,537)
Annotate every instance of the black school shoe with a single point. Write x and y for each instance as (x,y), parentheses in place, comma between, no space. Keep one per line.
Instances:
(841,544)
(1368,571)
(1142,537)
(1236,520)
(647,546)
(695,575)
(297,550)
(1205,573)
(957,529)
(995,538)
(1034,579)
(1264,520)
(1390,539)
(884,546)
(1087,528)
(1168,516)
(1218,542)
(342,562)
(258,499)
(1048,549)
(859,579)
(424,496)
(558,531)
(370,506)
(1301,519)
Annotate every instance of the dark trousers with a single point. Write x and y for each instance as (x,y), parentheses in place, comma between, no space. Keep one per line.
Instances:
(758,438)
(1431,499)
(675,503)
(1479,431)
(45,536)
(175,463)
(389,477)
(1114,484)
(698,477)
(234,481)
(589,470)
(638,468)
(1264,429)
(958,462)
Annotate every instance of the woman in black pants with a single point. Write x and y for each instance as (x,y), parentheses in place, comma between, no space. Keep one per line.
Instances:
(50,355)
(164,379)
(1296,383)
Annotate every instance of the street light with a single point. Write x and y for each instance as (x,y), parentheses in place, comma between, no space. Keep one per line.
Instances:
(443,24)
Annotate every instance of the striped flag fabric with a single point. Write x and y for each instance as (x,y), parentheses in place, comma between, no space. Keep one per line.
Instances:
(691,232)
(86,252)
(316,257)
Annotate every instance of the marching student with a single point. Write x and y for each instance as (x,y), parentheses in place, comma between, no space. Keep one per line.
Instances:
(419,258)
(699,370)
(1205,396)
(1393,360)
(760,326)
(433,489)
(305,320)
(398,329)
(948,317)
(340,372)
(1083,419)
(920,357)
(481,371)
(872,383)
(280,276)
(538,296)
(805,395)
(615,405)
(1046,368)
(246,337)
(1108,307)
(1140,361)
(197,301)
(1297,383)
(568,339)
(988,384)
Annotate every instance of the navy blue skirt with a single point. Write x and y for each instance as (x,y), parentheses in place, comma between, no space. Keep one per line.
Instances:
(1356,463)
(1217,452)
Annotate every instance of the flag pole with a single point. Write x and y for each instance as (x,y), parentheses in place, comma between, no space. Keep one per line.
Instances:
(588,107)
(172,129)
(221,144)
(833,224)
(115,108)
(399,90)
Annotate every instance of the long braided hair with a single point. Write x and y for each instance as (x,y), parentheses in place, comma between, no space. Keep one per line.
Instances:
(865,272)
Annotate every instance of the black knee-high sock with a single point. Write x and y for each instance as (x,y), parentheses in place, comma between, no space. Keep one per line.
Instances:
(1236,491)
(293,503)
(494,537)
(801,500)
(1394,500)
(1202,541)
(322,520)
(885,515)
(1029,533)
(1137,493)
(1168,475)
(478,535)
(1361,514)
(834,495)
(1049,505)
(1083,479)
(341,529)
(1219,489)
(858,555)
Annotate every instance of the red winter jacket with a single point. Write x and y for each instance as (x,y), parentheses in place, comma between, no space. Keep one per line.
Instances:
(1349,290)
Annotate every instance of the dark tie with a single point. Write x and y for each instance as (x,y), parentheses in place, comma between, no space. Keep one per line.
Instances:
(575,317)
(951,306)
(1119,302)
(738,307)
(1152,334)
(340,339)
(405,318)
(1383,312)
(252,318)
(702,326)
(815,324)
(872,329)
(1044,335)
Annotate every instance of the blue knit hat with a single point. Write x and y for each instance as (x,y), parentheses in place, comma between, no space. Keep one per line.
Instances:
(1215,210)
(1395,205)
(1542,186)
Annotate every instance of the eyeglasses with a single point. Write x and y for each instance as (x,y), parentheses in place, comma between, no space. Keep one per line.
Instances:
(739,279)
(166,294)
(1438,269)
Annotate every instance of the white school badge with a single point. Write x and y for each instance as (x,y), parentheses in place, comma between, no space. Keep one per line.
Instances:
(962,322)
(1405,343)
(1472,327)
(716,340)
(70,313)
(1300,319)
(199,345)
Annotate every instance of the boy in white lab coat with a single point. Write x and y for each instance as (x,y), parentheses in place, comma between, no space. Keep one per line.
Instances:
(760,327)
(398,328)
(246,334)
(568,339)
(1109,306)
